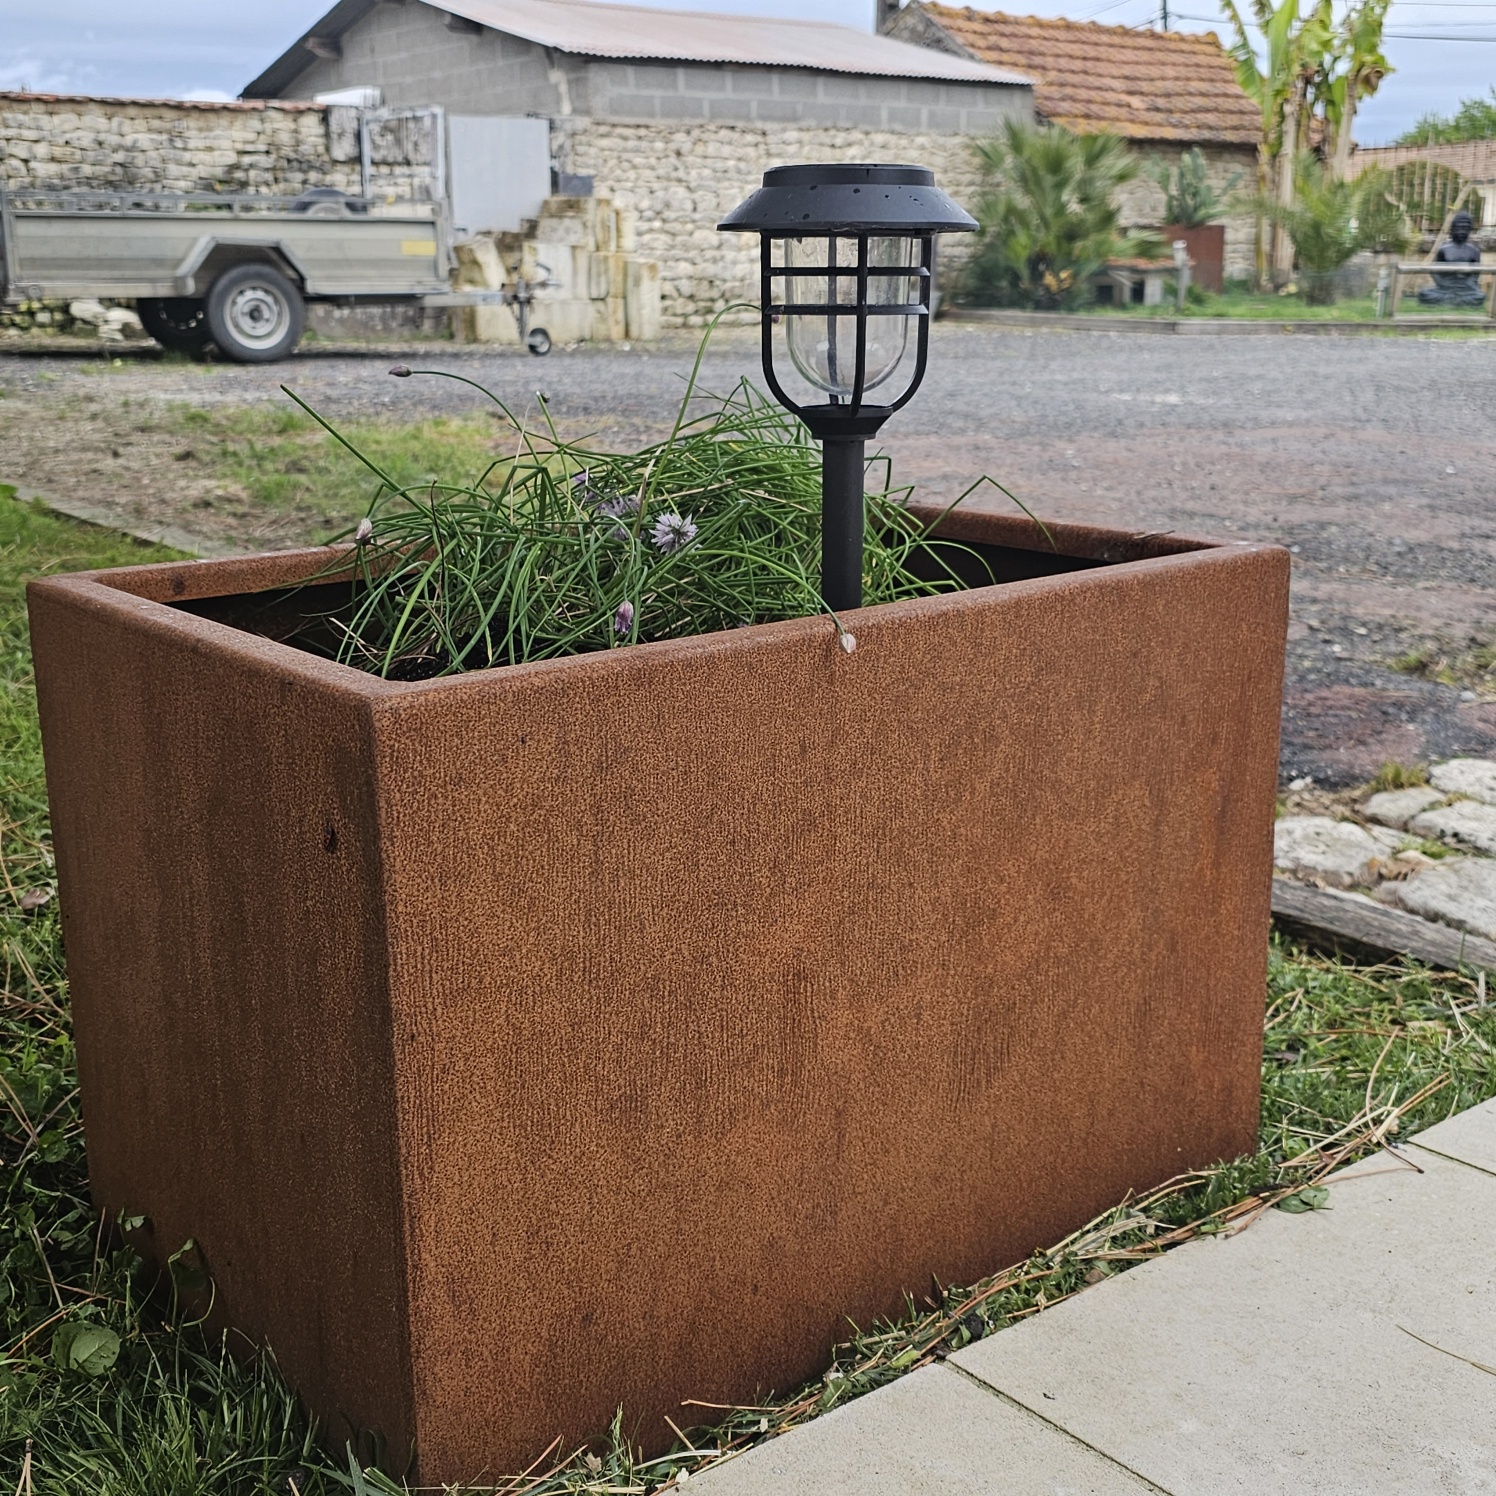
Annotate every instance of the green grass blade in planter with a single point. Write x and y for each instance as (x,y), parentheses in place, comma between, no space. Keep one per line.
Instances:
(562,549)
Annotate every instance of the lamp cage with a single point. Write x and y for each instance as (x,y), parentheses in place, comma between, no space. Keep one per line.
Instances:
(846,265)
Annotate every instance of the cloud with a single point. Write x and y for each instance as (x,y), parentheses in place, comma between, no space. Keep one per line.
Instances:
(207,96)
(25,71)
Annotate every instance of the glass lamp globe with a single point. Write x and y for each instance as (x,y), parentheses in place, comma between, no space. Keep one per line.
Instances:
(823,349)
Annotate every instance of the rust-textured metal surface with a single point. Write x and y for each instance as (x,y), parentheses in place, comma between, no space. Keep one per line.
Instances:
(1205,243)
(608,1030)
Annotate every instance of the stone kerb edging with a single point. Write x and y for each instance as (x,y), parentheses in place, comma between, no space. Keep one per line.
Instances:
(1428,850)
(1210,326)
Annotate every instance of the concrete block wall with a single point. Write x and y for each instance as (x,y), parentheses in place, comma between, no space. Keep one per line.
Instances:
(414,58)
(729,94)
(674,184)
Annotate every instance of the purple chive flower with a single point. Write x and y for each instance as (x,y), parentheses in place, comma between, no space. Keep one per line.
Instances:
(618,505)
(623,619)
(365,532)
(673,532)
(401,371)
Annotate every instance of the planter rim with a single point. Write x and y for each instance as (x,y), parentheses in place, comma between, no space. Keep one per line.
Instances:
(154,591)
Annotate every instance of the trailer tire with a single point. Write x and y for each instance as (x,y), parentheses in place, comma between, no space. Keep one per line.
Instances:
(255,314)
(178,323)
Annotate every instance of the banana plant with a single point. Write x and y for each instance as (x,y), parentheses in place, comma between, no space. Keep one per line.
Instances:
(1359,67)
(1309,66)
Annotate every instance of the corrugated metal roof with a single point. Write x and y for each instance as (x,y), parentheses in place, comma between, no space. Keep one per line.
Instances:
(632,32)
(588,29)
(1147,85)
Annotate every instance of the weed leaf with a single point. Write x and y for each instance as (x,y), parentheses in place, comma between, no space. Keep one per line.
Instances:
(92,1349)
(1313,1197)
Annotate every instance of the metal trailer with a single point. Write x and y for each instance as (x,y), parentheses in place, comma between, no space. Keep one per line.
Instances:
(234,271)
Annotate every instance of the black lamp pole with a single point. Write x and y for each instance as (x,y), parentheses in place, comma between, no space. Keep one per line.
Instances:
(843,462)
(854,270)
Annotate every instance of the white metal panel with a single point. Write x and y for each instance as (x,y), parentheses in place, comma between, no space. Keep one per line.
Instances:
(499,170)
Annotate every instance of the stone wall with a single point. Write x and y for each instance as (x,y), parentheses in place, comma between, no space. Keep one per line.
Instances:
(675,183)
(53,141)
(672,182)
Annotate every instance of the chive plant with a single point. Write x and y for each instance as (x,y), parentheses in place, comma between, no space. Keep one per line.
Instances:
(559,548)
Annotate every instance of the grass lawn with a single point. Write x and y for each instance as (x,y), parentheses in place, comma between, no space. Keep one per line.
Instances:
(1251,305)
(280,459)
(104,1393)
(1274,308)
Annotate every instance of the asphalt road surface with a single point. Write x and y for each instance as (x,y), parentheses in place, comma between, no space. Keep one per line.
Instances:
(1371,458)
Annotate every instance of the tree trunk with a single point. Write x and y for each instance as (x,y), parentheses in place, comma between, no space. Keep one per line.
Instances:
(1260,254)
(1340,162)
(1287,159)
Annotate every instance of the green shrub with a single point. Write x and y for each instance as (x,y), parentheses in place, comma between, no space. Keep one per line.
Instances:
(1049,219)
(1331,220)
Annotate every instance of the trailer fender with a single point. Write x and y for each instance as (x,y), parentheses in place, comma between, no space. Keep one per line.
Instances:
(211,256)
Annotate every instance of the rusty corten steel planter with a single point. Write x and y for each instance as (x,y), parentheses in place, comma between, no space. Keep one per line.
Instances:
(608,1030)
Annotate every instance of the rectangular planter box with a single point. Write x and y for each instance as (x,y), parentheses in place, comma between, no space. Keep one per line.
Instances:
(606,1031)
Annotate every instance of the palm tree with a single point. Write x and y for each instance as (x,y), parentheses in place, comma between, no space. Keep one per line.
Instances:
(1331,219)
(1050,219)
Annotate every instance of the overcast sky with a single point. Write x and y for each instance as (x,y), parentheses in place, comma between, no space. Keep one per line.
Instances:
(186,48)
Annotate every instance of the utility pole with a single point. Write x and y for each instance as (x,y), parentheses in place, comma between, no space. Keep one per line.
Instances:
(1163,14)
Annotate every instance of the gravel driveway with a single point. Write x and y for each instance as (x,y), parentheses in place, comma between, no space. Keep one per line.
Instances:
(1369,457)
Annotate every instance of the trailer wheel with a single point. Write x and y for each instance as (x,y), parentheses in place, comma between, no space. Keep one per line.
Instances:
(178,323)
(255,314)
(538,342)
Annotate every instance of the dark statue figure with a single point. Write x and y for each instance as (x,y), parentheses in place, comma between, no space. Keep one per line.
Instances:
(1456,290)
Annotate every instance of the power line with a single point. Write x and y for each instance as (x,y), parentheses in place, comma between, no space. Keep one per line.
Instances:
(1102,10)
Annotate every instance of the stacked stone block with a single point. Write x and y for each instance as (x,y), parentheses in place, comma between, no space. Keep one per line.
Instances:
(590,285)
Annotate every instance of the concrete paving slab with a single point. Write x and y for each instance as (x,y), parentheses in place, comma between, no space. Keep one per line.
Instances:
(1283,1359)
(933,1433)
(1469,1138)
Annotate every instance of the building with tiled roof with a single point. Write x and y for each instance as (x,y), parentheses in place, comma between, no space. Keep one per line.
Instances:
(1166,91)
(1146,85)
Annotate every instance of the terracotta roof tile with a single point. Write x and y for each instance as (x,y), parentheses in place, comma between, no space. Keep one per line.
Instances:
(1148,85)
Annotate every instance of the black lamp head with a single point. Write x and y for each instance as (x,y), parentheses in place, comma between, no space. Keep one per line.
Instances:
(847,263)
(840,199)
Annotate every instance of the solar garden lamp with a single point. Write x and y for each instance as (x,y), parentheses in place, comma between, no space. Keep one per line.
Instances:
(847,258)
